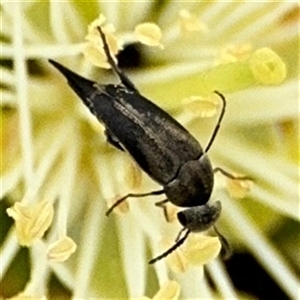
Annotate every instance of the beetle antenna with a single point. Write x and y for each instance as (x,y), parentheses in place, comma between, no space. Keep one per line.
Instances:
(169,251)
(219,121)
(124,79)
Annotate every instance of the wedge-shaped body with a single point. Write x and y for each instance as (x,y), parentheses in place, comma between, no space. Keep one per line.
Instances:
(157,142)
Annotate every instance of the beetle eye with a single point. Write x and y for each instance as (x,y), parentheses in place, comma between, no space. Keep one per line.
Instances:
(206,218)
(182,219)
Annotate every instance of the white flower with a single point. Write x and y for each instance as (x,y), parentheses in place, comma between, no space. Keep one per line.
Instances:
(53,150)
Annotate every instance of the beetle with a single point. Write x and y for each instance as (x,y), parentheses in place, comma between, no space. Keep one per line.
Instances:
(161,146)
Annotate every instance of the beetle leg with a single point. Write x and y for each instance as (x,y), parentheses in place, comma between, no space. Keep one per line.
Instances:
(226,250)
(130,195)
(112,140)
(162,204)
(231,176)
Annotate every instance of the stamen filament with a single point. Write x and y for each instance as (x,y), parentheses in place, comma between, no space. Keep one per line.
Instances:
(22,93)
(262,249)
(60,16)
(132,242)
(237,155)
(10,180)
(221,279)
(67,192)
(43,50)
(45,165)
(9,249)
(39,271)
(88,250)
(259,25)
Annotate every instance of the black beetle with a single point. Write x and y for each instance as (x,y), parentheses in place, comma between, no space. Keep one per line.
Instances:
(161,146)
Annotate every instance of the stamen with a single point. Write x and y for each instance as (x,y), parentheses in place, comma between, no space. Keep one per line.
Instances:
(93,225)
(122,208)
(94,51)
(176,261)
(198,106)
(267,67)
(171,212)
(266,253)
(232,53)
(190,22)
(200,249)
(68,187)
(31,221)
(221,279)
(168,291)
(149,34)
(22,92)
(61,249)
(132,174)
(238,188)
(10,180)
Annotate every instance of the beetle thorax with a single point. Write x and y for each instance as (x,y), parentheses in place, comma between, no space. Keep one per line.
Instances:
(193,185)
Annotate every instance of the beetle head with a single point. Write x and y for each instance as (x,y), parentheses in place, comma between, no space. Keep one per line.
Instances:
(200,218)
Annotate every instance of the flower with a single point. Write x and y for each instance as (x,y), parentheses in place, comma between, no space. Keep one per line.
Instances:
(53,149)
